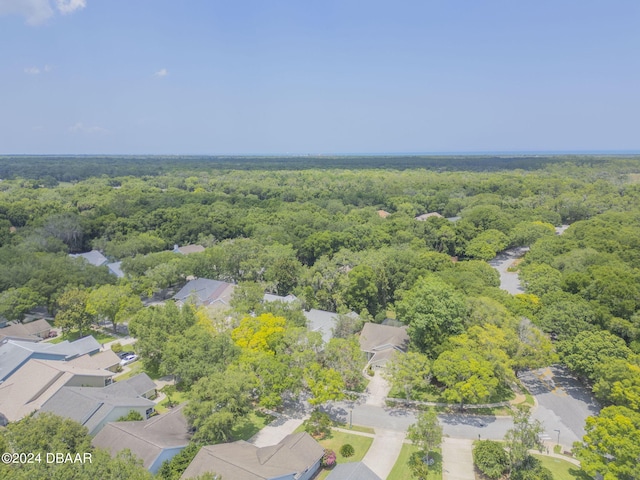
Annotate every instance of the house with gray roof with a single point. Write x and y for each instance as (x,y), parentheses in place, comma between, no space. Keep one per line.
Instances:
(94,257)
(28,331)
(188,249)
(352,471)
(116,269)
(269,297)
(382,342)
(153,441)
(95,407)
(323,322)
(203,291)
(37,381)
(15,353)
(296,457)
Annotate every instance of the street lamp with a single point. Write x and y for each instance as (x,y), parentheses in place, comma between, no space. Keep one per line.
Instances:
(350,418)
(556,430)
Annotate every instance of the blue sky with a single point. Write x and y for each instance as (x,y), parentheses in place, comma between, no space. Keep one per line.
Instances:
(291,76)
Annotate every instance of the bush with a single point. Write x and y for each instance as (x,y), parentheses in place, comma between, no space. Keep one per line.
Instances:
(490,458)
(532,469)
(116,347)
(318,425)
(347,450)
(328,459)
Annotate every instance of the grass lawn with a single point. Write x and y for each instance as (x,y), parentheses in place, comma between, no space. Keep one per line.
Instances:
(99,336)
(136,368)
(177,398)
(401,469)
(336,439)
(250,425)
(561,469)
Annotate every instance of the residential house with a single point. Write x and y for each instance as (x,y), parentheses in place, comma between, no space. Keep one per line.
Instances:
(95,407)
(94,257)
(323,322)
(15,353)
(105,360)
(425,216)
(382,342)
(188,249)
(296,457)
(27,331)
(352,471)
(37,381)
(268,297)
(203,291)
(153,441)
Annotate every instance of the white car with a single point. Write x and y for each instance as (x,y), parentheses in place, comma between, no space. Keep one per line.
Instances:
(128,359)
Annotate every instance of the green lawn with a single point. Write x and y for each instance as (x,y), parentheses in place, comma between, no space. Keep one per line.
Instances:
(136,368)
(177,398)
(561,469)
(250,425)
(336,439)
(401,469)
(100,336)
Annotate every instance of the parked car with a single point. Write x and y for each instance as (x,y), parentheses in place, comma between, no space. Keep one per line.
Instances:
(128,359)
(125,354)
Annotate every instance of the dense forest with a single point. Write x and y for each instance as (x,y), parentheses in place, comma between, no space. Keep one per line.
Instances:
(342,235)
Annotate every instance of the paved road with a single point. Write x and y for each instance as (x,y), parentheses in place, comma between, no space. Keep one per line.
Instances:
(563,403)
(509,281)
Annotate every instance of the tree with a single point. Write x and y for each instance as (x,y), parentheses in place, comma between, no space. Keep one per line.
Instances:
(469,378)
(360,290)
(611,446)
(155,326)
(113,303)
(490,458)
(15,303)
(426,433)
(619,384)
(527,233)
(411,374)
(325,384)
(344,356)
(216,404)
(347,325)
(585,353)
(318,424)
(262,333)
(434,311)
(132,416)
(524,436)
(72,311)
(486,245)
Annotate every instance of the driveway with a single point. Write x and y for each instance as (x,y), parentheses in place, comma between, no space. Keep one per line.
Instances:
(563,403)
(377,390)
(509,281)
(384,451)
(457,459)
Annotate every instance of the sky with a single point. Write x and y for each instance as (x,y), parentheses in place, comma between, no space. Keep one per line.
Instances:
(274,77)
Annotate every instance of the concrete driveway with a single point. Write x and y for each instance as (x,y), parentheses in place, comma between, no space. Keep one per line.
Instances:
(457,459)
(384,451)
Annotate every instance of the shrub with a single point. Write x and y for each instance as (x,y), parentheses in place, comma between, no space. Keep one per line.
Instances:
(532,469)
(491,458)
(318,425)
(347,450)
(328,459)
(116,347)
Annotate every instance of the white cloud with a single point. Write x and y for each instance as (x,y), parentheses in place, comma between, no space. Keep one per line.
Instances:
(69,6)
(161,73)
(37,70)
(80,127)
(37,12)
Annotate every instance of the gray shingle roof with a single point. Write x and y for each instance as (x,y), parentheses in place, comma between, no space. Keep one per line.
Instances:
(14,353)
(133,387)
(268,297)
(94,257)
(90,406)
(243,461)
(352,471)
(146,439)
(205,291)
(375,337)
(321,321)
